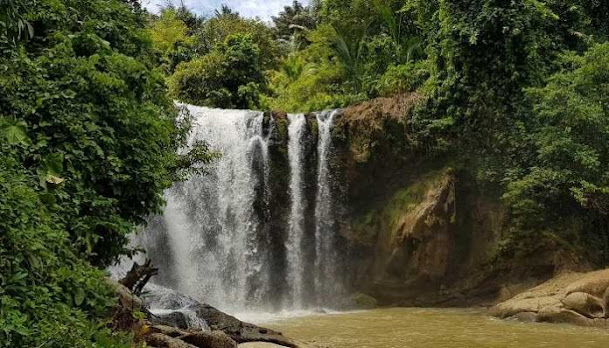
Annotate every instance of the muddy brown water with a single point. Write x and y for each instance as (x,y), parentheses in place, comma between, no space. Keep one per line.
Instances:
(431,328)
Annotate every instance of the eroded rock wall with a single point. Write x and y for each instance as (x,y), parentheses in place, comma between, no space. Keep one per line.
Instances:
(419,230)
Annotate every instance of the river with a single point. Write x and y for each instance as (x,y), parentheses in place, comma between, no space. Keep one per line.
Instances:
(430,328)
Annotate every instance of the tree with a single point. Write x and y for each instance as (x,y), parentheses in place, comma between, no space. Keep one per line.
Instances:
(293,23)
(231,76)
(569,173)
(168,31)
(227,23)
(172,39)
(88,143)
(12,24)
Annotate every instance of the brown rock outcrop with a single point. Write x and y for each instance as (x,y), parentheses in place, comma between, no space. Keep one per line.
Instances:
(574,298)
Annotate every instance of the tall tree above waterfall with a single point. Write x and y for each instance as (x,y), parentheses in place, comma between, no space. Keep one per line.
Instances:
(229,77)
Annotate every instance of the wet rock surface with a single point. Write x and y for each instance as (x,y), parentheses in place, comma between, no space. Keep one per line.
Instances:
(573,298)
(175,329)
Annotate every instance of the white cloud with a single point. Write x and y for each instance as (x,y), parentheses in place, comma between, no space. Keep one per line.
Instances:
(248,8)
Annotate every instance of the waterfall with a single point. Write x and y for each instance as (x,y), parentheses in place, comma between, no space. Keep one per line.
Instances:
(325,249)
(296,133)
(237,240)
(212,224)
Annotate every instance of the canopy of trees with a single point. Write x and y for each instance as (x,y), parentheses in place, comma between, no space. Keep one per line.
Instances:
(516,90)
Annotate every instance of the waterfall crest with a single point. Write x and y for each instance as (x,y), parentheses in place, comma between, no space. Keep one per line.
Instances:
(226,239)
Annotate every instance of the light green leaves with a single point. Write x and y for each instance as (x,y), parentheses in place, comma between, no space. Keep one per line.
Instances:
(79,296)
(13,131)
(50,172)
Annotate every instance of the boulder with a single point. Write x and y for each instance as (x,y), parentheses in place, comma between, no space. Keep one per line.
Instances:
(171,329)
(574,298)
(126,298)
(214,339)
(523,304)
(606,303)
(584,304)
(240,332)
(362,301)
(159,340)
(593,283)
(199,339)
(176,319)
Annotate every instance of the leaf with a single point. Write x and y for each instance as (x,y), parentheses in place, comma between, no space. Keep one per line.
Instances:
(30,28)
(14,133)
(55,180)
(18,277)
(53,167)
(54,163)
(79,296)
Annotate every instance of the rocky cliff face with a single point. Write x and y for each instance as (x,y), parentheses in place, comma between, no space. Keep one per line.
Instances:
(428,243)
(416,229)
(419,231)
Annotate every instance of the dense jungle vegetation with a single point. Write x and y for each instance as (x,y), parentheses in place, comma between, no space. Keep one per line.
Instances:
(517,91)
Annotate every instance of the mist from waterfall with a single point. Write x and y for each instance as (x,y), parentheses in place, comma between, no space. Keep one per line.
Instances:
(215,240)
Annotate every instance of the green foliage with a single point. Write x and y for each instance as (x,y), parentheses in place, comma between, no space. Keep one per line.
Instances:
(229,77)
(89,96)
(569,172)
(12,24)
(48,297)
(216,31)
(171,38)
(88,142)
(168,31)
(483,53)
(293,23)
(346,55)
(403,78)
(543,147)
(312,79)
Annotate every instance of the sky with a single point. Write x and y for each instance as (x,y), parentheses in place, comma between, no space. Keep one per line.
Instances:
(247,8)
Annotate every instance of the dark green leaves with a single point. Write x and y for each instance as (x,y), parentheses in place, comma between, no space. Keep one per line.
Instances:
(88,142)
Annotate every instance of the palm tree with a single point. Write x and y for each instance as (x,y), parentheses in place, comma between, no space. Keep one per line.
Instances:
(349,50)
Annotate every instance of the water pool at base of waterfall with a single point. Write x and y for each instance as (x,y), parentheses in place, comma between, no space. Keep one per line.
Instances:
(428,328)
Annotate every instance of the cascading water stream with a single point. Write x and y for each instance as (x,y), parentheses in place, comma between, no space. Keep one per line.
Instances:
(296,133)
(223,238)
(325,253)
(211,222)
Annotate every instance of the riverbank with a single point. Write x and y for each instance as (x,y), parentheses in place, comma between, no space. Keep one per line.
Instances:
(570,298)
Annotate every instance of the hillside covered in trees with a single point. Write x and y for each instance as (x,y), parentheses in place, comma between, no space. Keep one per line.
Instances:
(516,93)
